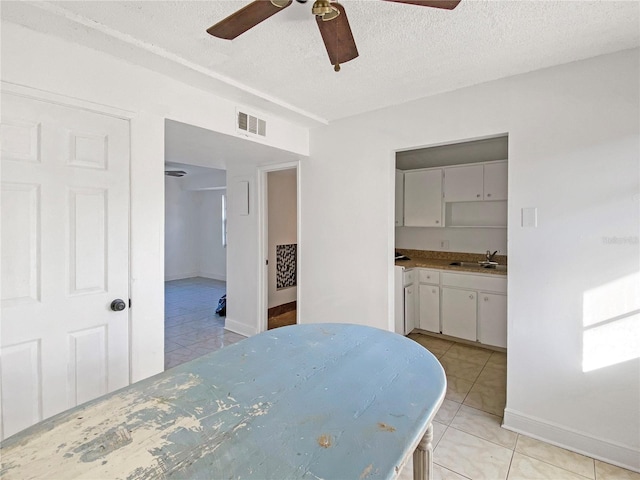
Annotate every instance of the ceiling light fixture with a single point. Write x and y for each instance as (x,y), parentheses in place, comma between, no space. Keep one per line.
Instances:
(336,35)
(321,7)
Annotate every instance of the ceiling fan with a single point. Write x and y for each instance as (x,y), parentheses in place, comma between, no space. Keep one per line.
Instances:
(330,17)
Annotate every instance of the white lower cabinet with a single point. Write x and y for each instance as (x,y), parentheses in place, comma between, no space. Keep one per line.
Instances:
(409,309)
(459,313)
(492,319)
(463,305)
(429,307)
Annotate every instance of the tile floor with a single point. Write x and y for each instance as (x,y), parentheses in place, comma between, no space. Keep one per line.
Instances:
(191,326)
(469,442)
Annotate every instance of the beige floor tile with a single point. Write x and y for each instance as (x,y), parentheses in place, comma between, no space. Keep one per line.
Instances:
(447,411)
(460,368)
(457,388)
(483,425)
(487,399)
(527,468)
(441,473)
(606,471)
(493,377)
(479,356)
(557,456)
(438,431)
(437,346)
(471,456)
(498,360)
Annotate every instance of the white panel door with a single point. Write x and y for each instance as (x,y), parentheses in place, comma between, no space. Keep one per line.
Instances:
(65,258)
(459,313)
(423,198)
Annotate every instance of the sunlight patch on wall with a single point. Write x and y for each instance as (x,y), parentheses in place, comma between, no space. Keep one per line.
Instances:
(611,319)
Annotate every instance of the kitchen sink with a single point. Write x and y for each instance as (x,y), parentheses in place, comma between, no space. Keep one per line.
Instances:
(478,265)
(495,267)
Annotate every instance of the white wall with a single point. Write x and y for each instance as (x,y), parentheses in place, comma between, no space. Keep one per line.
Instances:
(47,63)
(573,154)
(282,230)
(472,240)
(193,232)
(181,231)
(211,253)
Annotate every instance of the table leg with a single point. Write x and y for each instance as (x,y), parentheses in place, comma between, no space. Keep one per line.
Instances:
(423,457)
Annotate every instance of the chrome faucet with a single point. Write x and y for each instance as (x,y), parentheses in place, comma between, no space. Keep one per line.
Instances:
(490,256)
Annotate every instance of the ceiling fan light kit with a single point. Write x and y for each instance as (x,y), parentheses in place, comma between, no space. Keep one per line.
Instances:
(330,17)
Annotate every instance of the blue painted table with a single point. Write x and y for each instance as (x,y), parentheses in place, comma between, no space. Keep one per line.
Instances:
(322,401)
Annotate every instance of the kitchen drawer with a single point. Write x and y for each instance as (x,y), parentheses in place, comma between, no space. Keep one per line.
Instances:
(485,283)
(429,276)
(409,276)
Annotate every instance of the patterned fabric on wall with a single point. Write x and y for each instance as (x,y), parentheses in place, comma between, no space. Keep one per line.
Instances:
(285,266)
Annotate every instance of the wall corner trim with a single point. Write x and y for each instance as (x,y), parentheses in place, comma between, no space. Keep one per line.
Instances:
(240,328)
(620,455)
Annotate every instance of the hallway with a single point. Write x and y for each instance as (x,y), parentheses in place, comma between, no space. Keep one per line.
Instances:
(191,326)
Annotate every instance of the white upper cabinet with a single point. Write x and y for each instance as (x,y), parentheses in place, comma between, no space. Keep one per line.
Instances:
(463,184)
(495,181)
(423,198)
(476,182)
(399,198)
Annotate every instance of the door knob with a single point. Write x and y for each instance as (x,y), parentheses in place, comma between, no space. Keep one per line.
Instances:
(118,305)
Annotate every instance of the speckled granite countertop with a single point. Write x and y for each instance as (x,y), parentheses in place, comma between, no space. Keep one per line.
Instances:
(442,260)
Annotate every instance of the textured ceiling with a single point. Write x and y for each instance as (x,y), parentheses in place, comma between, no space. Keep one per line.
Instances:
(406,52)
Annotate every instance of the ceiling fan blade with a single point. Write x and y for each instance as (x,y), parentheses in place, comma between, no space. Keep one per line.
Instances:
(247,17)
(446,4)
(337,37)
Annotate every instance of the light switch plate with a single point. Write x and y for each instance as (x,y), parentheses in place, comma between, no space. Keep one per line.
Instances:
(530,217)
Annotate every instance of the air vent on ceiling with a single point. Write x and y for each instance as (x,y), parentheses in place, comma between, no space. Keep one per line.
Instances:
(251,124)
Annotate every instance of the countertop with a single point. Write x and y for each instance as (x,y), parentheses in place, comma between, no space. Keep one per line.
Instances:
(442,260)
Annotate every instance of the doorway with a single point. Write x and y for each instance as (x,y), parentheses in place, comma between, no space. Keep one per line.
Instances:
(195,262)
(280,245)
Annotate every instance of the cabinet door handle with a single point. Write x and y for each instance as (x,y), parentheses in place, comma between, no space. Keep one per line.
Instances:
(437,221)
(478,195)
(433,291)
(488,194)
(471,296)
(486,299)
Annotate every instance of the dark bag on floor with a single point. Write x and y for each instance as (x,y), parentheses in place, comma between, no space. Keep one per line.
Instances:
(222,306)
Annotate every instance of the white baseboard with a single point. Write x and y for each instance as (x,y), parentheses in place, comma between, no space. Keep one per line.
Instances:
(180,276)
(241,328)
(213,276)
(579,442)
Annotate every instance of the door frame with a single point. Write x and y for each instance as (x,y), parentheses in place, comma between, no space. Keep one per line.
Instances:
(263,240)
(87,105)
